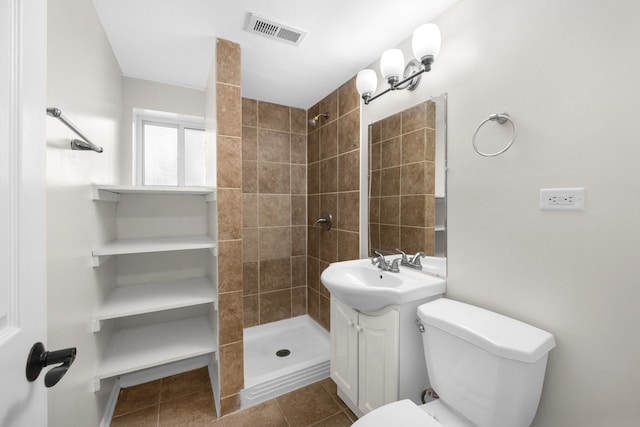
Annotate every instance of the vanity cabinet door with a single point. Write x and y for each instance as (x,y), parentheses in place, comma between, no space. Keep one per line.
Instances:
(344,348)
(378,350)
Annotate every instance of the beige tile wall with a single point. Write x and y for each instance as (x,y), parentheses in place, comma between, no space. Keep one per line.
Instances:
(229,178)
(333,158)
(274,187)
(402,154)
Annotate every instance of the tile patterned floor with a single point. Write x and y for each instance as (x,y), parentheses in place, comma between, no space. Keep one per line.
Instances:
(185,400)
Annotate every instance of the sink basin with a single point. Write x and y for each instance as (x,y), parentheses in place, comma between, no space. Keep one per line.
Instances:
(363,286)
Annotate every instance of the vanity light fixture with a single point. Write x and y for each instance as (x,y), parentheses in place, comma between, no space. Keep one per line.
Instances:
(425,45)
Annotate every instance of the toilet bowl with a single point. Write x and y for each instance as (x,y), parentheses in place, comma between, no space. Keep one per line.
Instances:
(488,370)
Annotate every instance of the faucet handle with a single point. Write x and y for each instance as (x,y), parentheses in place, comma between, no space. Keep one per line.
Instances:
(416,258)
(404,255)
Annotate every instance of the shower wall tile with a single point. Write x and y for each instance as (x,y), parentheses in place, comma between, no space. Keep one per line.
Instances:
(274,243)
(349,131)
(333,185)
(251,314)
(229,404)
(231,180)
(274,116)
(250,244)
(313,303)
(230,265)
(414,118)
(313,145)
(349,171)
(298,271)
(329,175)
(274,178)
(298,149)
(348,98)
(348,217)
(249,177)
(298,301)
(274,195)
(229,174)
(275,306)
(328,139)
(298,121)
(275,274)
(298,241)
(274,146)
(250,278)
(249,210)
(249,113)
(298,210)
(229,111)
(348,245)
(324,312)
(229,214)
(275,210)
(231,361)
(228,62)
(249,143)
(298,179)
(230,313)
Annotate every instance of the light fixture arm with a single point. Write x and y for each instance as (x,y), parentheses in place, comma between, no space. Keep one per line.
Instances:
(425,67)
(425,45)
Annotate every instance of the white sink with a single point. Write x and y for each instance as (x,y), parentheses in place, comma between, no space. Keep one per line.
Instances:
(363,286)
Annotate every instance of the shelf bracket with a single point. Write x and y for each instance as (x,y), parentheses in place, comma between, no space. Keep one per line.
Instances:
(96,385)
(98,260)
(103,195)
(96,325)
(214,250)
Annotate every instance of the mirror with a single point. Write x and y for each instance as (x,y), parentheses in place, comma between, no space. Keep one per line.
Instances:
(407,180)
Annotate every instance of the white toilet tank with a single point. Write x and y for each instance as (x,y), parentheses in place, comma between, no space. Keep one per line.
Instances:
(483,365)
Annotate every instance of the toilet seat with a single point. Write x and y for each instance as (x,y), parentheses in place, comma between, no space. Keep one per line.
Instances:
(403,413)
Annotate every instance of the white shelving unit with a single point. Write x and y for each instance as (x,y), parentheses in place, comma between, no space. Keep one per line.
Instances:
(160,333)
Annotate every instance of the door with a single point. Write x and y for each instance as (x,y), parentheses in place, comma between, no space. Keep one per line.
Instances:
(378,354)
(344,349)
(22,207)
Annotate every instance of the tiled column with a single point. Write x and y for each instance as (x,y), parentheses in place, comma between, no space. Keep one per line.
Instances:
(333,155)
(229,179)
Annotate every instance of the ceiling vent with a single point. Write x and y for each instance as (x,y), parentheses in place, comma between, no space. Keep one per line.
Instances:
(270,29)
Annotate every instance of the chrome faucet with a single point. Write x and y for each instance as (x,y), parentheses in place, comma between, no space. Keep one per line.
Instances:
(412,262)
(384,265)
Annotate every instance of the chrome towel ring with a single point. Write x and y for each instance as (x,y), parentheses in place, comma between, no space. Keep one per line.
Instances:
(501,119)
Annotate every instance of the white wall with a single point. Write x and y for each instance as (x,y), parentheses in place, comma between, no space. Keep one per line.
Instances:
(85,82)
(144,94)
(567,73)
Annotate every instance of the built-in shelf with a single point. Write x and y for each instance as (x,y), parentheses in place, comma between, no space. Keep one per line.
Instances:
(152,297)
(145,347)
(154,244)
(111,193)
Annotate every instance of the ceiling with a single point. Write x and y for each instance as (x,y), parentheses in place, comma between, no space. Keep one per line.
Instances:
(171,41)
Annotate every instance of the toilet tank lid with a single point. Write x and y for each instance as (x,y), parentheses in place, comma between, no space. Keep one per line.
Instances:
(495,333)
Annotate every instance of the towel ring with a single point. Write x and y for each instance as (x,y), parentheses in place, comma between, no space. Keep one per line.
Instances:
(501,119)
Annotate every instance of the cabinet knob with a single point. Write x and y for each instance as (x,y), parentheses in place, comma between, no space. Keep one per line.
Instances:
(358,328)
(350,323)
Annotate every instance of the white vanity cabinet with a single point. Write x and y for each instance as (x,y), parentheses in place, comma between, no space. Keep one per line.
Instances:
(158,310)
(365,352)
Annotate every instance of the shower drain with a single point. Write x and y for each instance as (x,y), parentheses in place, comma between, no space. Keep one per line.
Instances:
(283,353)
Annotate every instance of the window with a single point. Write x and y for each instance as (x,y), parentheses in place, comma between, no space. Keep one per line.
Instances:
(170,150)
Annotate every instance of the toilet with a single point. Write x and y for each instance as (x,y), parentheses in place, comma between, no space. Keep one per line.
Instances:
(486,368)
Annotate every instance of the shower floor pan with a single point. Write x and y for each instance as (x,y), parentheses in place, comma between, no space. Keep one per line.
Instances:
(282,356)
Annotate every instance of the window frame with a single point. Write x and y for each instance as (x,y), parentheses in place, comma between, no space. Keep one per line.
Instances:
(180,122)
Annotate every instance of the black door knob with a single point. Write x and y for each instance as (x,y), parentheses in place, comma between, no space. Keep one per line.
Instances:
(39,359)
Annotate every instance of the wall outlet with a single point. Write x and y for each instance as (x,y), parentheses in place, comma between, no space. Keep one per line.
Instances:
(562,199)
